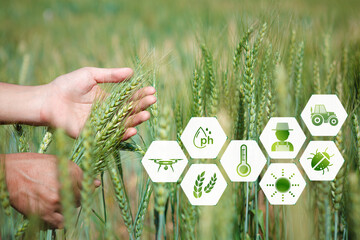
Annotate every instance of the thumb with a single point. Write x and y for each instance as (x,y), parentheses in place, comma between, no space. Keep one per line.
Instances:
(110,75)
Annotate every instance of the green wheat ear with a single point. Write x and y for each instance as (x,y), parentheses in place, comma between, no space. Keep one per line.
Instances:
(298,77)
(211,87)
(121,198)
(67,198)
(198,185)
(317,80)
(47,139)
(22,133)
(240,47)
(87,165)
(211,184)
(197,92)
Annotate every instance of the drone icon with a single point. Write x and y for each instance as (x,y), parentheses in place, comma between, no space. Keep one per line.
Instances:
(166,163)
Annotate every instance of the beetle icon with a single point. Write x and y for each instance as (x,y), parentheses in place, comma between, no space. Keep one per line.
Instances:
(321,161)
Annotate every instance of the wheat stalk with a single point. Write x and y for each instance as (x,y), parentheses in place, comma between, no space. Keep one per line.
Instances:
(298,77)
(122,200)
(4,195)
(67,198)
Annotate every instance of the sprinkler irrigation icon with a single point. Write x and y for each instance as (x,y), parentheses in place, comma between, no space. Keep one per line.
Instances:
(282,184)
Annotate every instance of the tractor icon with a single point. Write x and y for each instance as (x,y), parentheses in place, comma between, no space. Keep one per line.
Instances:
(320,116)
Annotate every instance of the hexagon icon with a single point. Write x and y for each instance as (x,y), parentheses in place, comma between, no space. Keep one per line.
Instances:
(203,137)
(321,160)
(282,137)
(324,115)
(243,160)
(203,184)
(164,161)
(282,183)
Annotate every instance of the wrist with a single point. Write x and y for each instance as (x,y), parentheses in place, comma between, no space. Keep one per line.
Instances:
(45,108)
(22,104)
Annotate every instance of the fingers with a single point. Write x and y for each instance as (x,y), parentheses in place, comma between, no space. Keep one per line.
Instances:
(143,104)
(143,92)
(133,121)
(55,220)
(109,75)
(77,176)
(137,119)
(130,132)
(97,183)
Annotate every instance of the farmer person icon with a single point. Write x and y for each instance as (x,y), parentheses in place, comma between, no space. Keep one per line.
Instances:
(282,133)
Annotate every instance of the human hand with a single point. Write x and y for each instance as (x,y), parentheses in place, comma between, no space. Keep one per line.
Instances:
(34,188)
(70,96)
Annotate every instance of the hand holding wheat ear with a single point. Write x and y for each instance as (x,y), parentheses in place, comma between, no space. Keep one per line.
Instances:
(35,191)
(69,99)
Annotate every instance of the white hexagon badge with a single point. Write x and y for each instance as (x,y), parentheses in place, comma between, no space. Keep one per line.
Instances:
(282,184)
(203,184)
(203,137)
(164,161)
(321,160)
(282,137)
(243,160)
(324,115)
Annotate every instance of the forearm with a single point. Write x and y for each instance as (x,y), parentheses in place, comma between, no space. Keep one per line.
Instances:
(22,104)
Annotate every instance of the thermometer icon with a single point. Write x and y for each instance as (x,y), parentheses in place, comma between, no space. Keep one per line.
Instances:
(243,169)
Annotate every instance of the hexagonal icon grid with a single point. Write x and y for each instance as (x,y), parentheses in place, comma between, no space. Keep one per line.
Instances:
(203,137)
(282,184)
(164,161)
(243,160)
(324,115)
(203,184)
(321,160)
(282,137)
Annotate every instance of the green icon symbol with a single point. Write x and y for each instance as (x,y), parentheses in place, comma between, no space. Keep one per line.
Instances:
(243,169)
(198,186)
(320,161)
(202,138)
(165,163)
(283,185)
(282,133)
(320,116)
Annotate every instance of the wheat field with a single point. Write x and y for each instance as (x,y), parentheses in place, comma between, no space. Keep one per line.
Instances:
(243,62)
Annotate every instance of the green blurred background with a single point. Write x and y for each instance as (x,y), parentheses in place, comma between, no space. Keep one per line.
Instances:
(57,37)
